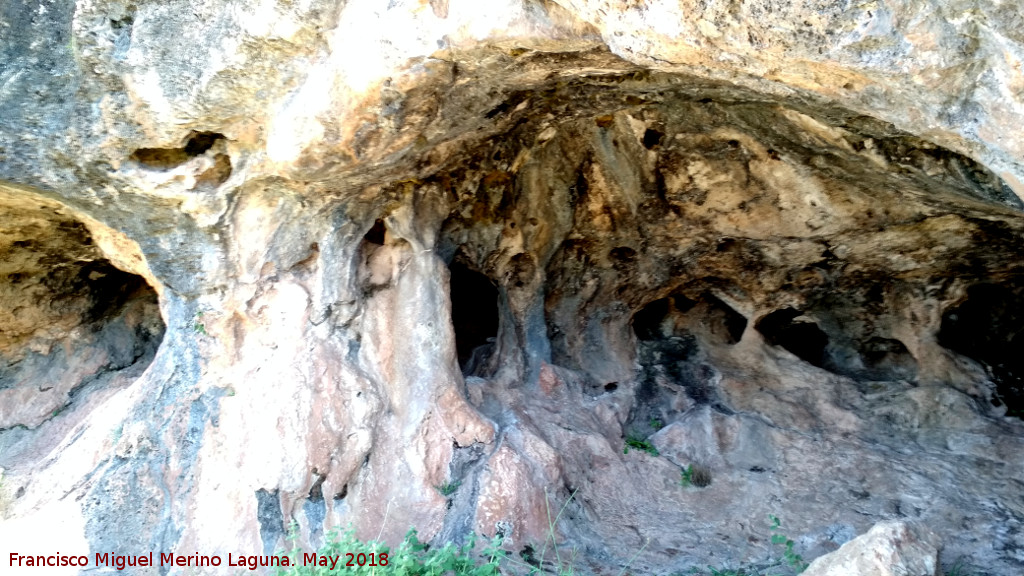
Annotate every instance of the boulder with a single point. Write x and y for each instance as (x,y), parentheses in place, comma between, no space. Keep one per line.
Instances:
(891,548)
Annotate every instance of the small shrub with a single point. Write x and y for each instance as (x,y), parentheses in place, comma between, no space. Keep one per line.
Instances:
(794,560)
(198,325)
(410,558)
(448,488)
(639,444)
(696,475)
(687,479)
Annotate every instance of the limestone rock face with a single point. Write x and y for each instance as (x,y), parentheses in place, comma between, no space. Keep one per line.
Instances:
(632,276)
(888,549)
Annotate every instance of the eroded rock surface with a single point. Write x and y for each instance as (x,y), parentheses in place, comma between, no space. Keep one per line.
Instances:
(888,549)
(664,268)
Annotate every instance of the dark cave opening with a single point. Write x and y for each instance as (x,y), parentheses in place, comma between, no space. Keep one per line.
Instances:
(677,315)
(377,233)
(64,306)
(652,138)
(987,326)
(474,316)
(647,322)
(729,322)
(198,143)
(672,335)
(802,337)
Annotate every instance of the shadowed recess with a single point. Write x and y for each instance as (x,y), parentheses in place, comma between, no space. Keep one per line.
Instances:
(198,143)
(70,321)
(474,316)
(987,326)
(790,330)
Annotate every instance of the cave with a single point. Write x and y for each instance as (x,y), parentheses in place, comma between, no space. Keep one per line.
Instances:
(673,336)
(687,279)
(70,321)
(474,316)
(802,337)
(986,325)
(538,272)
(677,314)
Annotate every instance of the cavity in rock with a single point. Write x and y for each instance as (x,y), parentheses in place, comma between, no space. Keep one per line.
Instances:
(166,158)
(801,337)
(474,316)
(988,326)
(64,306)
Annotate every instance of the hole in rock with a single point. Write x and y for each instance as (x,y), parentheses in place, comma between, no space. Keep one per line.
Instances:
(631,240)
(198,143)
(474,316)
(987,326)
(70,322)
(652,138)
(316,491)
(529,555)
(674,372)
(802,337)
(647,323)
(730,323)
(708,317)
(376,233)
(623,258)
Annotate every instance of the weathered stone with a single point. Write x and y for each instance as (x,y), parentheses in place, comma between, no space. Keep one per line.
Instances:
(889,549)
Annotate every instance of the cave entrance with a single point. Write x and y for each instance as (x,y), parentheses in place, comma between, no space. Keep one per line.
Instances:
(474,316)
(69,319)
(789,329)
(988,326)
(673,335)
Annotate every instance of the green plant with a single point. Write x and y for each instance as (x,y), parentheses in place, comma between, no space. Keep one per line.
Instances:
(794,560)
(687,479)
(639,444)
(59,410)
(198,325)
(656,423)
(448,488)
(415,558)
(562,569)
(410,558)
